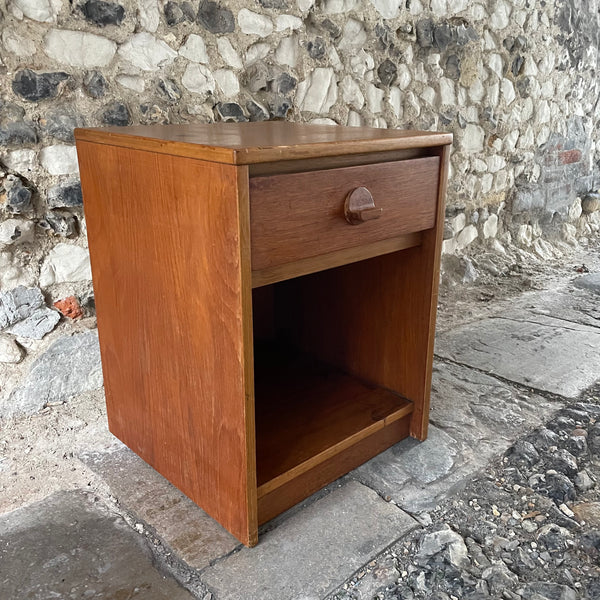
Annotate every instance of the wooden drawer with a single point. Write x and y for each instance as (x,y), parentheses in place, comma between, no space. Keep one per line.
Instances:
(300,215)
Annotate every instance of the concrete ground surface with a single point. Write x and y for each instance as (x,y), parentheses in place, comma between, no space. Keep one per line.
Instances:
(133,535)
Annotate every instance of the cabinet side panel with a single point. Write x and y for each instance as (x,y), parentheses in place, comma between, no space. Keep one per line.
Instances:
(164,238)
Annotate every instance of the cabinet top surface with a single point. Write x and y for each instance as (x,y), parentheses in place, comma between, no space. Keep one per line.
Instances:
(248,143)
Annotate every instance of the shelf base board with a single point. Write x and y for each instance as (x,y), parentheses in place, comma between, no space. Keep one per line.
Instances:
(288,494)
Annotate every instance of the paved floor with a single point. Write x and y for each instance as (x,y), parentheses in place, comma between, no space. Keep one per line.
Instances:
(494,379)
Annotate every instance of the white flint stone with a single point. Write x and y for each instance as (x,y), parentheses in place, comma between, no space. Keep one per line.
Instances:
(287,51)
(305,5)
(467,236)
(59,159)
(543,135)
(374,98)
(412,105)
(575,210)
(360,63)
(495,163)
(332,7)
(471,114)
(428,94)
(489,43)
(490,227)
(420,74)
(323,121)
(439,7)
(527,109)
(20,161)
(354,119)
(10,352)
(79,49)
(44,11)
(17,44)
(486,183)
(403,76)
(148,14)
(257,52)
(253,23)
(472,139)
(544,250)
(447,94)
(388,9)
(546,64)
(479,166)
(15,231)
(495,64)
(351,93)
(508,91)
(395,101)
(283,22)
(568,233)
(530,68)
(449,246)
(458,223)
(12,273)
(476,91)
(542,114)
(132,82)
(318,92)
(499,19)
(198,79)
(353,35)
(477,12)
(334,59)
(146,52)
(457,6)
(65,263)
(194,49)
(510,141)
(227,82)
(228,53)
(525,235)
(493,94)
(416,8)
(547,90)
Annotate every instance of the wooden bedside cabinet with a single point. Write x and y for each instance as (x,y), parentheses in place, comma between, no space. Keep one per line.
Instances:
(266,298)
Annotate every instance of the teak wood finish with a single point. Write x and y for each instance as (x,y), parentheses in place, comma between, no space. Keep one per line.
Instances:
(183,222)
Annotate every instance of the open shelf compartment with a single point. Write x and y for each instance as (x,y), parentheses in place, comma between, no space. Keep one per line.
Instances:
(307,412)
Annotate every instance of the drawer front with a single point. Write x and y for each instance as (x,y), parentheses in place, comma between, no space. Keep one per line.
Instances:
(301,215)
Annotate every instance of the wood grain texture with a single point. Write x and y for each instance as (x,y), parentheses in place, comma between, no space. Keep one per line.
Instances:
(330,260)
(281,167)
(168,253)
(300,215)
(248,143)
(374,318)
(299,488)
(307,412)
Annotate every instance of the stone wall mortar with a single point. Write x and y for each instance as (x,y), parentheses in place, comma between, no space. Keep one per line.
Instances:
(516,81)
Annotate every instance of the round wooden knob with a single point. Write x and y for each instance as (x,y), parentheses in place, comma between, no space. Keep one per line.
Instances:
(360,206)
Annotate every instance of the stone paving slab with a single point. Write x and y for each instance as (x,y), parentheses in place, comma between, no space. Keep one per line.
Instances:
(567,303)
(473,418)
(64,547)
(194,536)
(589,282)
(538,351)
(314,551)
